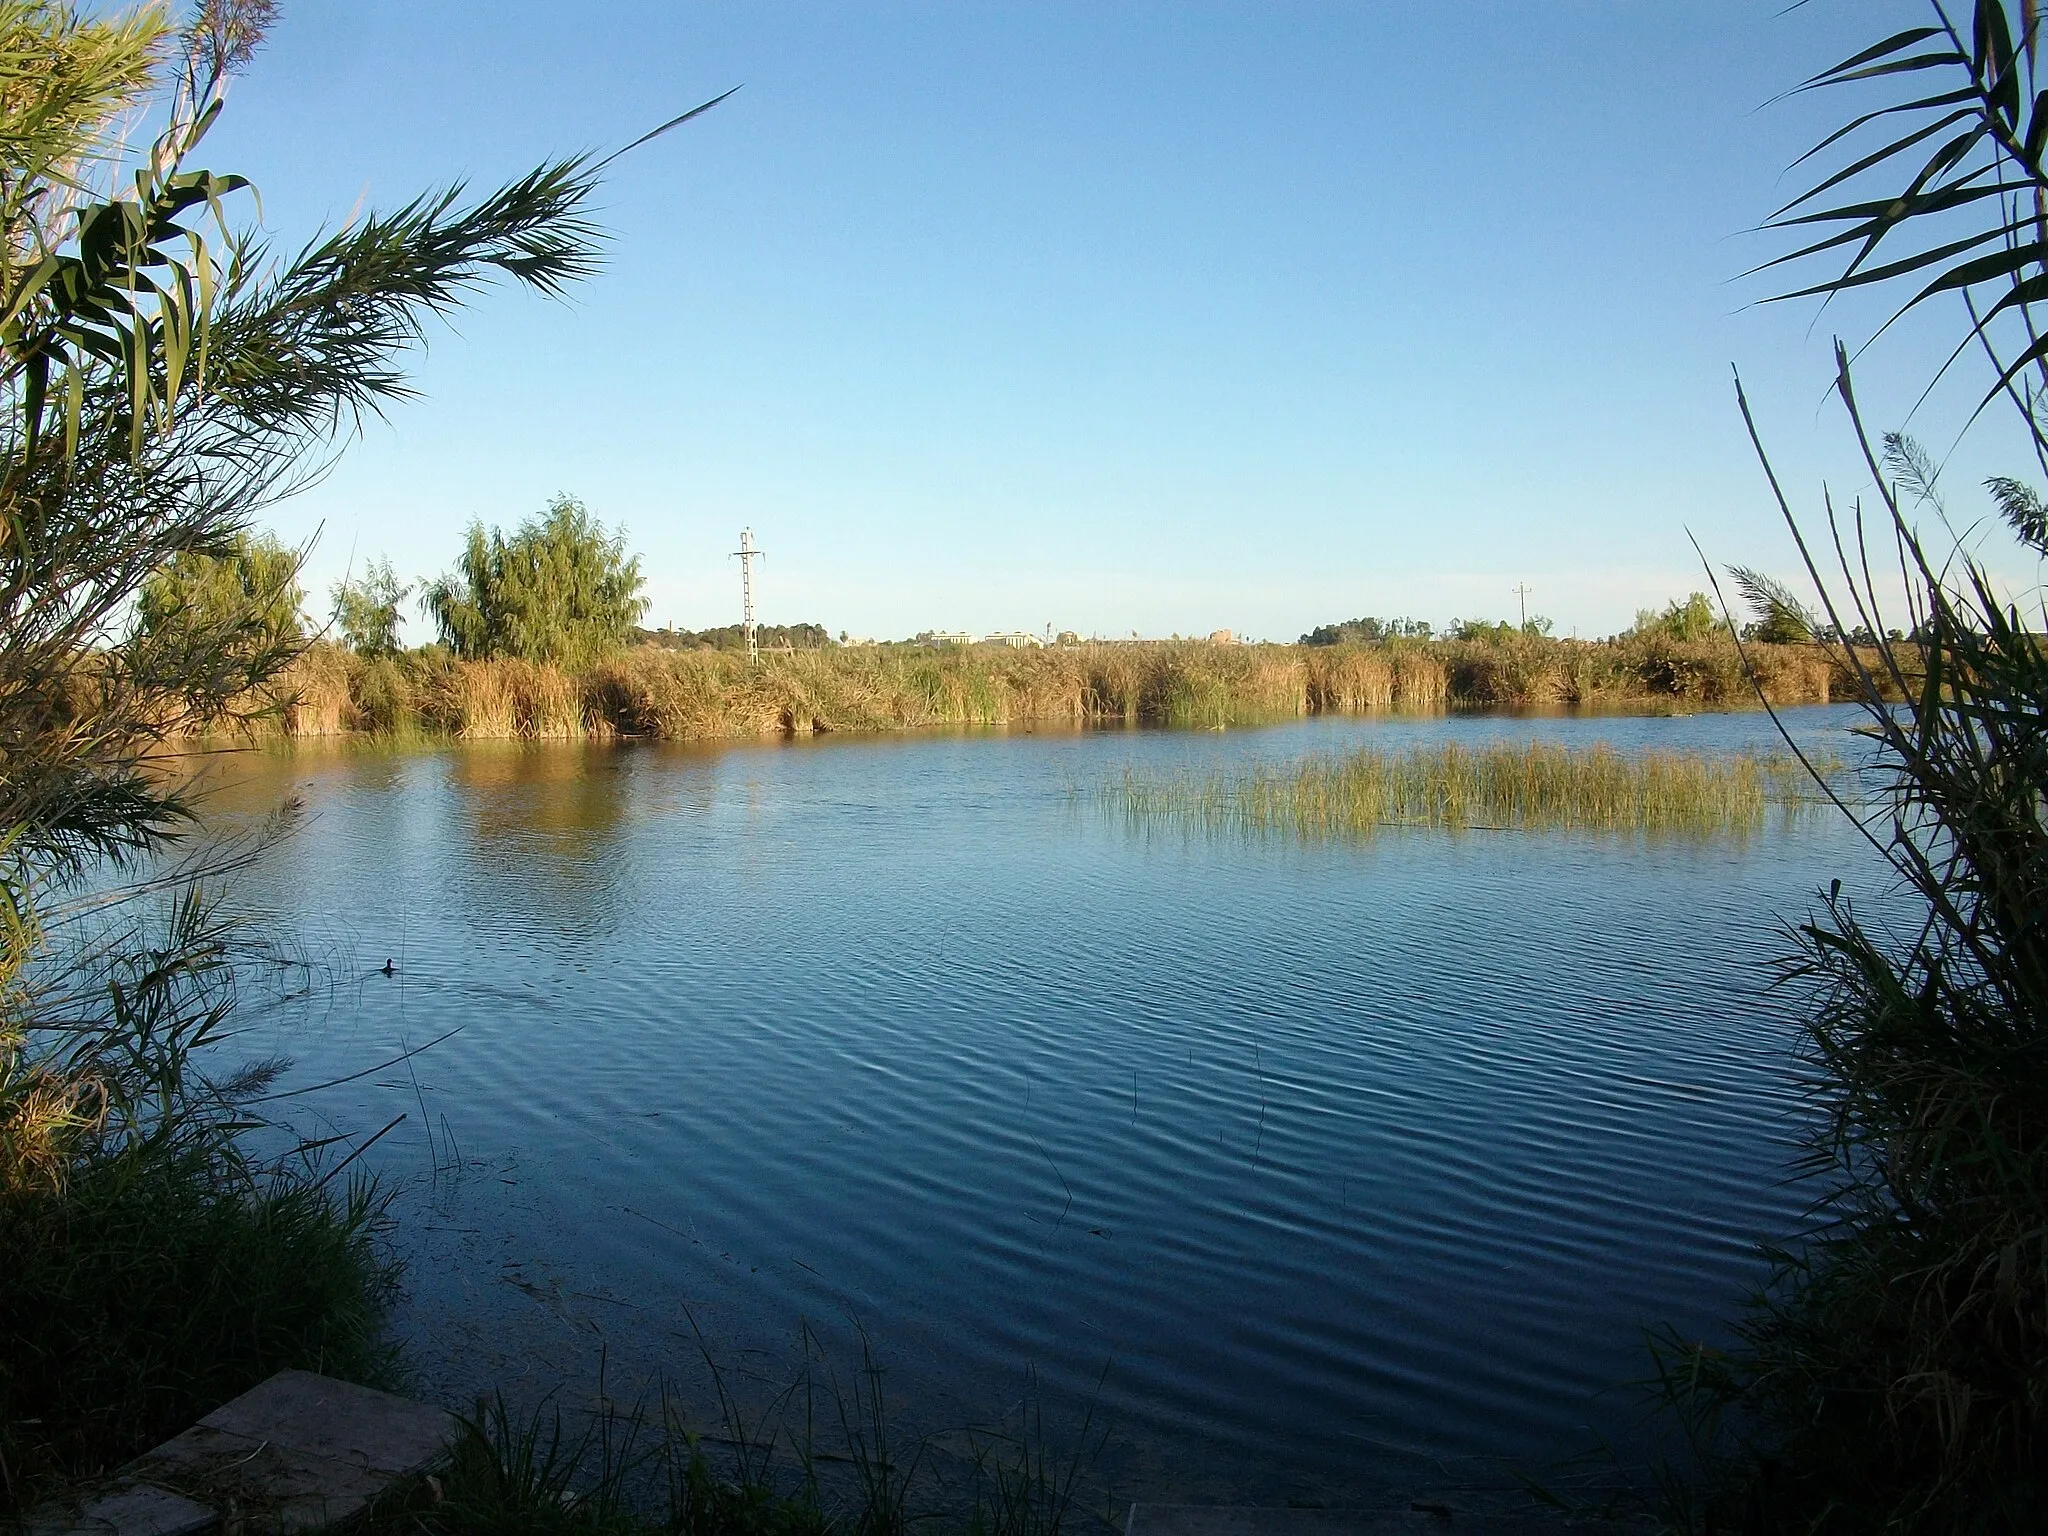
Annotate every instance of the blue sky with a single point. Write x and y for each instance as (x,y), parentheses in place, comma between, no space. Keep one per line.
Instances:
(1110,316)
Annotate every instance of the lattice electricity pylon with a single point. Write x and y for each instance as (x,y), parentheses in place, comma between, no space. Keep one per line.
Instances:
(747,553)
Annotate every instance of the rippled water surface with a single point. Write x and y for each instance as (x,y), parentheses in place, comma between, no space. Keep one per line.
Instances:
(1327,1167)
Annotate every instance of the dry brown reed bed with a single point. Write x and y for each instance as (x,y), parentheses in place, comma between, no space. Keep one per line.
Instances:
(1501,786)
(697,695)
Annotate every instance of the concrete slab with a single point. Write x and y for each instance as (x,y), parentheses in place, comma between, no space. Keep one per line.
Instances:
(338,1422)
(297,1453)
(128,1509)
(300,1452)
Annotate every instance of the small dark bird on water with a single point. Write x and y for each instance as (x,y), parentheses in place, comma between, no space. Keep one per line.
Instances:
(389,968)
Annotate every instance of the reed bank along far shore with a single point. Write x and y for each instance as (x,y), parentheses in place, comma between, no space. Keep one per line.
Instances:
(672,695)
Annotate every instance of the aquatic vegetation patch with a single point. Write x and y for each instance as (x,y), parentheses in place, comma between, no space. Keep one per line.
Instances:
(1502,785)
(825,1454)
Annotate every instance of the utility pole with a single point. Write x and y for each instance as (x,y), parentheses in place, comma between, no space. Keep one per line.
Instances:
(1522,592)
(747,555)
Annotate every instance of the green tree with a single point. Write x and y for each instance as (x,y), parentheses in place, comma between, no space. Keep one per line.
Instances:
(559,590)
(1535,626)
(367,607)
(1694,619)
(244,601)
(1367,631)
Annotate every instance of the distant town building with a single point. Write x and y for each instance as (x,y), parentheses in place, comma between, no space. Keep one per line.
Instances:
(946,637)
(1016,639)
(1222,637)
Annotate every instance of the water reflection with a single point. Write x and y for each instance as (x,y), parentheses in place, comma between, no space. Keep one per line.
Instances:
(1343,1153)
(530,790)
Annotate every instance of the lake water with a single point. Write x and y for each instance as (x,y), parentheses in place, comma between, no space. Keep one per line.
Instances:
(1320,1169)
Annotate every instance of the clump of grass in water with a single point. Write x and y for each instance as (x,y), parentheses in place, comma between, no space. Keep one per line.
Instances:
(1525,786)
(643,1471)
(153,1267)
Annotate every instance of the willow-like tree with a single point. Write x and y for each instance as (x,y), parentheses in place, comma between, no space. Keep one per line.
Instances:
(1694,619)
(245,599)
(558,590)
(368,609)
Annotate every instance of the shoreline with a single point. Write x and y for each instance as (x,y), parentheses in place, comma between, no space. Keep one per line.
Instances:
(651,693)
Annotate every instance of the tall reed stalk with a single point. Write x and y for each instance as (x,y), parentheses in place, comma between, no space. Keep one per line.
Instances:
(1893,1373)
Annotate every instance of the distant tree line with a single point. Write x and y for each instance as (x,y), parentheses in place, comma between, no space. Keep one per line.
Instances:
(1696,618)
(1368,632)
(1381,631)
(1496,630)
(562,589)
(732,637)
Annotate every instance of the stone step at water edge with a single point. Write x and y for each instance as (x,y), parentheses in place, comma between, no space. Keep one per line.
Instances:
(299,1452)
